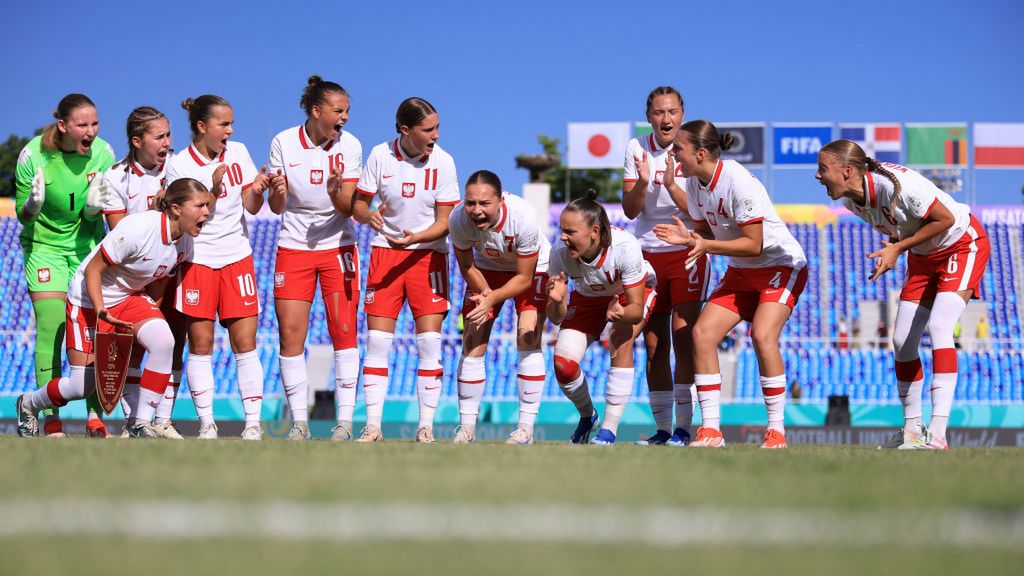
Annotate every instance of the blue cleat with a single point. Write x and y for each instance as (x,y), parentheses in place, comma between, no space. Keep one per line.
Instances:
(679,438)
(583,429)
(605,437)
(660,438)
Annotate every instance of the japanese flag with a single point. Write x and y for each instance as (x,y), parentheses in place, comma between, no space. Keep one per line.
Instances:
(598,144)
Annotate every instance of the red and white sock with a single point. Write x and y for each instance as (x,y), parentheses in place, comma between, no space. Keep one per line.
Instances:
(530,385)
(151,392)
(375,374)
(199,370)
(709,394)
(346,375)
(166,407)
(250,385)
(774,390)
(428,376)
(944,363)
(472,377)
(909,383)
(295,380)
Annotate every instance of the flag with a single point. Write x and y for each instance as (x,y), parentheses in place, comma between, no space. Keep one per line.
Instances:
(879,141)
(747,143)
(642,129)
(598,144)
(798,144)
(998,145)
(937,144)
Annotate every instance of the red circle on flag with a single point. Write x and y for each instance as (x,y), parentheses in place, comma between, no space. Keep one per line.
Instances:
(599,145)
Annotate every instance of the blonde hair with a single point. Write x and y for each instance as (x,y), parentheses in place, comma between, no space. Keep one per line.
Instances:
(67,105)
(849,153)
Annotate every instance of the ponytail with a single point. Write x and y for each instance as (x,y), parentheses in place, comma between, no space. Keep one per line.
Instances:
(593,213)
(67,105)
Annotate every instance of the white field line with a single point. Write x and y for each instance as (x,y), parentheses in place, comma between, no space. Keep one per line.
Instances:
(289,520)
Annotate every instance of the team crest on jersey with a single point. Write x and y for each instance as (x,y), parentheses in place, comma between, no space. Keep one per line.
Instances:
(160,271)
(90,176)
(278,279)
(316,177)
(597,287)
(149,202)
(493,253)
(408,189)
(192,297)
(570,312)
(43,274)
(370,293)
(659,177)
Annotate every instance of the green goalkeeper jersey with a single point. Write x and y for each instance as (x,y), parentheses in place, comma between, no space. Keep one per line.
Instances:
(61,226)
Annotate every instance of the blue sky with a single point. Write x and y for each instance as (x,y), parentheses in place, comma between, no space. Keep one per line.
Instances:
(500,74)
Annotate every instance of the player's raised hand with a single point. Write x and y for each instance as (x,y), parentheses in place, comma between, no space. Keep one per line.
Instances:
(643,167)
(558,288)
(885,259)
(262,181)
(96,197)
(218,189)
(675,233)
(278,183)
(668,179)
(334,182)
(37,196)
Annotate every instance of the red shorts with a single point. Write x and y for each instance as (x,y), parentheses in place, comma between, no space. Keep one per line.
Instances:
(534,298)
(295,277)
(589,314)
(959,267)
(82,321)
(419,276)
(676,284)
(229,292)
(742,289)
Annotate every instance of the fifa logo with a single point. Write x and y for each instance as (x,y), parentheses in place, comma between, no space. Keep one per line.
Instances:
(408,189)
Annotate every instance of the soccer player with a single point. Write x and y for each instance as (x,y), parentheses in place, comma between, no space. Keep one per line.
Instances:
(681,291)
(220,280)
(502,255)
(58,202)
(115,289)
(315,167)
(130,187)
(948,252)
(418,188)
(612,283)
(734,217)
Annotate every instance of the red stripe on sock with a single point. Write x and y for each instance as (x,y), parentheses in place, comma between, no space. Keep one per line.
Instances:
(909,371)
(252,398)
(708,387)
(154,381)
(470,381)
(53,391)
(944,361)
(434,372)
(539,378)
(373,371)
(772,392)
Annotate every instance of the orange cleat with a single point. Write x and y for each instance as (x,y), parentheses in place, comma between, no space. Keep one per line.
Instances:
(708,438)
(96,429)
(774,439)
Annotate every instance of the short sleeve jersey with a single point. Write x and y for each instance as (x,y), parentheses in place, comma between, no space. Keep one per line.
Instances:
(139,251)
(734,198)
(61,227)
(917,197)
(659,208)
(411,189)
(132,187)
(224,238)
(619,266)
(310,221)
(515,236)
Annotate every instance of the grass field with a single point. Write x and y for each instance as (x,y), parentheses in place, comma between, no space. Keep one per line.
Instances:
(278,508)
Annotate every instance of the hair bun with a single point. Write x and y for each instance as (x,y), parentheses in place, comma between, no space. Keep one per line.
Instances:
(314,80)
(187,104)
(726,141)
(55,115)
(591,194)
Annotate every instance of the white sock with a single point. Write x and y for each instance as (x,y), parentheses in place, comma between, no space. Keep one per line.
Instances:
(199,371)
(774,390)
(943,389)
(428,376)
(346,374)
(375,374)
(616,395)
(472,379)
(578,393)
(295,379)
(250,385)
(59,391)
(709,394)
(661,408)
(683,393)
(166,407)
(909,384)
(530,385)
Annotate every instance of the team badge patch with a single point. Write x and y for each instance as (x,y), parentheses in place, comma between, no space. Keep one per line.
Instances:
(192,297)
(492,252)
(43,275)
(316,177)
(370,293)
(659,177)
(748,205)
(597,287)
(278,279)
(160,271)
(408,189)
(89,177)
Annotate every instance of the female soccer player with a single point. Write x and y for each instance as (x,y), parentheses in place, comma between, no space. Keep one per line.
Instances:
(418,188)
(129,188)
(645,198)
(220,279)
(58,202)
(502,255)
(316,166)
(612,283)
(949,251)
(734,217)
(115,288)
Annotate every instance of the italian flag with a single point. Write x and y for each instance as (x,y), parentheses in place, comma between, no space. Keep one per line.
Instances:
(998,145)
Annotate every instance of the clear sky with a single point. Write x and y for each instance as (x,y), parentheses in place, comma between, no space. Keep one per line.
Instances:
(502,73)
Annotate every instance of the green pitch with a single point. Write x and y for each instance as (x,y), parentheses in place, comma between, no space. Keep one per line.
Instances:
(278,507)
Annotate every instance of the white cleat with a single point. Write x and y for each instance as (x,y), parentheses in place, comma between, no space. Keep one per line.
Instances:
(425,435)
(208,432)
(167,430)
(904,439)
(253,433)
(299,431)
(142,430)
(370,434)
(463,435)
(28,423)
(342,432)
(520,437)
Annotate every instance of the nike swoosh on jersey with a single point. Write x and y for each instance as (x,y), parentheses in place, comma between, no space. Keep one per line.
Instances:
(290,165)
(436,300)
(130,197)
(431,387)
(386,177)
(248,303)
(949,279)
(144,259)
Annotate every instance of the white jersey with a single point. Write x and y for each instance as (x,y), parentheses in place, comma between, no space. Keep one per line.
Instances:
(735,198)
(310,221)
(917,197)
(659,208)
(617,267)
(224,238)
(132,190)
(140,250)
(411,188)
(515,236)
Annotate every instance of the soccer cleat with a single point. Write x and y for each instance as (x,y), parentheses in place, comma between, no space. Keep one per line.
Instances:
(208,432)
(425,435)
(774,439)
(96,429)
(520,437)
(605,437)
(582,433)
(342,432)
(167,430)
(142,430)
(903,439)
(54,428)
(464,435)
(370,434)
(660,438)
(253,433)
(933,444)
(708,438)
(299,431)
(681,437)
(28,424)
